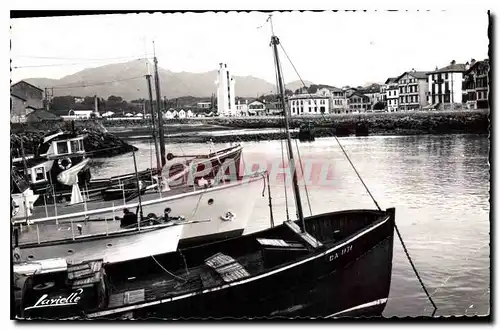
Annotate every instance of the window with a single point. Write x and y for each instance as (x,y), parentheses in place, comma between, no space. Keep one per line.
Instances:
(39,173)
(62,147)
(75,146)
(446,76)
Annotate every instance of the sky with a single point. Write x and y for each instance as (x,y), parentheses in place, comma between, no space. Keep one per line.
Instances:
(335,48)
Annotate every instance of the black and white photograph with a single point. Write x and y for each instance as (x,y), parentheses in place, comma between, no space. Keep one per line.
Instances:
(250,165)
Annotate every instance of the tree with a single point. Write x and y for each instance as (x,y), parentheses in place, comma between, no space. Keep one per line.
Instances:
(379,106)
(115,99)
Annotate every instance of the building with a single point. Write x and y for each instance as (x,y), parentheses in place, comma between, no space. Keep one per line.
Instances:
(225,92)
(256,108)
(358,102)
(392,94)
(309,104)
(274,108)
(204,105)
(413,87)
(242,108)
(476,87)
(32,94)
(445,84)
(373,94)
(41,115)
(17,109)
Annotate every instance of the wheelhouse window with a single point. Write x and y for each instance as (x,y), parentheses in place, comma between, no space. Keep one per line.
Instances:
(40,174)
(76,146)
(62,147)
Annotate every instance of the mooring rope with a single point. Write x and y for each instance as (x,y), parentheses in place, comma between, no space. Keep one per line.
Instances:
(415,270)
(355,170)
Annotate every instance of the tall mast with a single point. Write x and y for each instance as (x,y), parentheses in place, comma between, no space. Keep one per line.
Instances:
(155,141)
(296,191)
(158,108)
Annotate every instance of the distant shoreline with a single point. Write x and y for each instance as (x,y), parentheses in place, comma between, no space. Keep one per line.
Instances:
(220,129)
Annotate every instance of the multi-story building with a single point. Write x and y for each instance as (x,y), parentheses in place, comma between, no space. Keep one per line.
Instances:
(17,109)
(242,107)
(225,92)
(309,104)
(32,96)
(392,94)
(337,100)
(413,87)
(358,102)
(476,85)
(445,84)
(256,108)
(373,94)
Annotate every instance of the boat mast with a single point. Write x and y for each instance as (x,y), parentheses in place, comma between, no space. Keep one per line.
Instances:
(158,108)
(158,163)
(275,42)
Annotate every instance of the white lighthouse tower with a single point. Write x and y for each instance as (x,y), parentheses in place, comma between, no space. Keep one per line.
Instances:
(225,92)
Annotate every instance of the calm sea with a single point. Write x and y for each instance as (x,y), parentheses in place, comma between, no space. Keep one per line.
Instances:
(438,184)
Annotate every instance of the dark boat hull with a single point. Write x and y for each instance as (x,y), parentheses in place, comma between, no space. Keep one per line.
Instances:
(352,280)
(353,289)
(349,274)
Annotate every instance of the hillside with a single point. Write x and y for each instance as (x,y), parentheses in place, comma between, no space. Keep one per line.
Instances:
(127,80)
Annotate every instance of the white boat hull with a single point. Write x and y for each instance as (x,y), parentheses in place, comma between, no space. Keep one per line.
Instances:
(220,212)
(128,245)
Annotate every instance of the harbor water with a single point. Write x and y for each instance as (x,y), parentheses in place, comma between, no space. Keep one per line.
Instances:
(439,186)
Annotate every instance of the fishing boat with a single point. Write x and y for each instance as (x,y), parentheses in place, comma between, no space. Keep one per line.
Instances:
(59,155)
(307,132)
(62,154)
(328,265)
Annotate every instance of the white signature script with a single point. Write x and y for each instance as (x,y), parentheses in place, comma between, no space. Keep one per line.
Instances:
(72,299)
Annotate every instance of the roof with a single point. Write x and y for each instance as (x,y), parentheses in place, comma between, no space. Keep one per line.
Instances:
(357,93)
(27,83)
(391,80)
(369,90)
(486,62)
(308,96)
(19,97)
(457,67)
(416,74)
(39,115)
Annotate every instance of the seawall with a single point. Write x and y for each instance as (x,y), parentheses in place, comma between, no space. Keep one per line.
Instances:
(409,123)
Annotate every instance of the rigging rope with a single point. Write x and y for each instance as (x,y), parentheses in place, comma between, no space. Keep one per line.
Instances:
(171,274)
(305,184)
(298,152)
(355,170)
(282,131)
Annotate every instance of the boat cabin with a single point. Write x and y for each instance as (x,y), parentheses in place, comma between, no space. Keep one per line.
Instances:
(58,151)
(61,144)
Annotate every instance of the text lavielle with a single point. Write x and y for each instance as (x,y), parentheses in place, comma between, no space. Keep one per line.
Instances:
(72,299)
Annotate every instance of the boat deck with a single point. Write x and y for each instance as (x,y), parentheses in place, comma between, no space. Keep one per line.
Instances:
(193,279)
(60,209)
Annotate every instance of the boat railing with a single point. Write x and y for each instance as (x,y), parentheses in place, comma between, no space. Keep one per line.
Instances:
(86,213)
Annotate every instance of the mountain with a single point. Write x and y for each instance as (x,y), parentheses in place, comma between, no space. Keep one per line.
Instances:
(294,85)
(127,80)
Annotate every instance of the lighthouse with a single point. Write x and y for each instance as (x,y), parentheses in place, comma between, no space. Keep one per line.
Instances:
(225,92)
